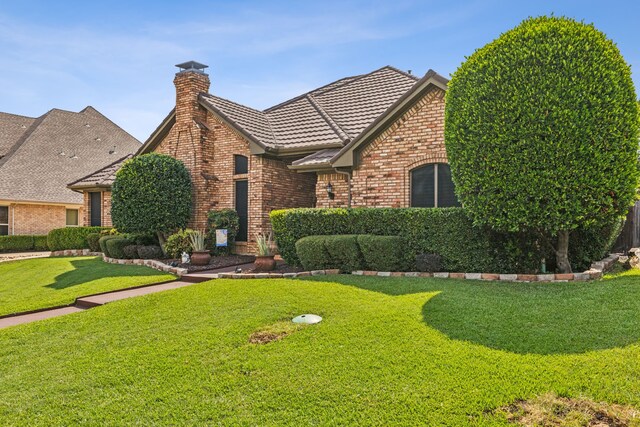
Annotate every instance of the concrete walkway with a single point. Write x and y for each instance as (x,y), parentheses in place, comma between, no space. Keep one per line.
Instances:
(84,303)
(23,255)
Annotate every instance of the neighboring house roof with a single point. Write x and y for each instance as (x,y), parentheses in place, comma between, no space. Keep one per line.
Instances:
(328,117)
(12,127)
(59,147)
(102,178)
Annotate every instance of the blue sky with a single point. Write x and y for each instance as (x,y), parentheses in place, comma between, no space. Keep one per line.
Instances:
(119,56)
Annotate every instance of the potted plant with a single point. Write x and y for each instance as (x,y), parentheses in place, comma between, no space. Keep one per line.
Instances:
(200,255)
(265,259)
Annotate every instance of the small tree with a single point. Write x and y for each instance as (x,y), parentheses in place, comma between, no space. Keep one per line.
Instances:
(541,129)
(151,194)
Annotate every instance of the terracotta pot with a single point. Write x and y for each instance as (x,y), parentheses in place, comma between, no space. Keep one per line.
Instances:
(200,258)
(265,263)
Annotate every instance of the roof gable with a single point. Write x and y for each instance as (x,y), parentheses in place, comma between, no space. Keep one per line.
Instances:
(12,127)
(62,146)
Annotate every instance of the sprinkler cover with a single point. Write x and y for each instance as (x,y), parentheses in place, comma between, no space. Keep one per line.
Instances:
(307,318)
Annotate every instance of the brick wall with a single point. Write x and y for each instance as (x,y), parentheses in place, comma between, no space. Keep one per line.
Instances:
(37,219)
(381,177)
(207,146)
(340,190)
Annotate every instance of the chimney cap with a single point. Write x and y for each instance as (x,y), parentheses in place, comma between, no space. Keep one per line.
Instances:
(192,66)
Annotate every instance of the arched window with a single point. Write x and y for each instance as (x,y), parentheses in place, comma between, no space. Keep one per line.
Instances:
(241,164)
(432,187)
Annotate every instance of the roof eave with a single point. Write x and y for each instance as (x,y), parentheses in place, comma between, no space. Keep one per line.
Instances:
(344,158)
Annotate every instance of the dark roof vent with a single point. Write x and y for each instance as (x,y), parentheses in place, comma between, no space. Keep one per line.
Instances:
(192,66)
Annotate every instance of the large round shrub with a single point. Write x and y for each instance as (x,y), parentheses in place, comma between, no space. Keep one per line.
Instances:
(151,194)
(541,129)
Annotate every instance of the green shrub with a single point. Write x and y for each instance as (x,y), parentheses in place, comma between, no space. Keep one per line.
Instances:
(344,252)
(536,139)
(71,237)
(93,241)
(131,252)
(143,239)
(430,263)
(178,242)
(116,245)
(382,253)
(151,194)
(150,252)
(225,219)
(40,243)
(312,253)
(103,244)
(447,232)
(16,243)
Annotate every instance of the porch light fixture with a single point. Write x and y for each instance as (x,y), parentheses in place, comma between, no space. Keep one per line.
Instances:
(330,192)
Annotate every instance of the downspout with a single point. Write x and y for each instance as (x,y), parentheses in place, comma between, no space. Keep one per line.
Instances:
(348,174)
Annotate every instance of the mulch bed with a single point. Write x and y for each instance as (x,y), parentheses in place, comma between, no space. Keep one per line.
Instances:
(216,262)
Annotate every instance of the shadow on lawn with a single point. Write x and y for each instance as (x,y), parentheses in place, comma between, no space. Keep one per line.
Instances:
(541,318)
(87,270)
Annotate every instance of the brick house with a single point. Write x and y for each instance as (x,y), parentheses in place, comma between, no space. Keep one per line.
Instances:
(375,139)
(38,158)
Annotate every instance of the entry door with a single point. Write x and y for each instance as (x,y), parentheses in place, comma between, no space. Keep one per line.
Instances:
(96,208)
(242,207)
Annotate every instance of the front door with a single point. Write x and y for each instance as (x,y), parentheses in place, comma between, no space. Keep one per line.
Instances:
(95,206)
(242,207)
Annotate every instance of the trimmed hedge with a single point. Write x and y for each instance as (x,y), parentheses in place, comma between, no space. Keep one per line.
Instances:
(20,243)
(71,237)
(312,253)
(447,232)
(93,241)
(131,252)
(382,253)
(150,252)
(344,252)
(115,246)
(103,243)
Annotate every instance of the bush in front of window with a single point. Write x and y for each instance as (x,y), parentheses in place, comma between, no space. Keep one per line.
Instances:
(22,243)
(447,232)
(61,239)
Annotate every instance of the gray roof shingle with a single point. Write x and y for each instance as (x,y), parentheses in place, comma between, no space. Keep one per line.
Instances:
(60,147)
(12,127)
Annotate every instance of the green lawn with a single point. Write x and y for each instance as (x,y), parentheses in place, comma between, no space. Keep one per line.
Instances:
(48,282)
(390,351)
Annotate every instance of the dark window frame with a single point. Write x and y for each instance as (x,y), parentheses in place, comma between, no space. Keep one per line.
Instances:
(240,164)
(3,225)
(436,185)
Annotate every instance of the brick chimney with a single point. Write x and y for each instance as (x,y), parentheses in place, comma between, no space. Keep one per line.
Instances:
(190,81)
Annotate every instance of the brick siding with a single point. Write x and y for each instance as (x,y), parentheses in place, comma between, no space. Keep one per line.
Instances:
(381,177)
(37,219)
(105,212)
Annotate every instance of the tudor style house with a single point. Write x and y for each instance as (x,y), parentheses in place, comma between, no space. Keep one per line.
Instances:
(375,139)
(38,158)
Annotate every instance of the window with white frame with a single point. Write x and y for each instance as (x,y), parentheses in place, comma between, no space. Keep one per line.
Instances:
(432,187)
(4,220)
(72,217)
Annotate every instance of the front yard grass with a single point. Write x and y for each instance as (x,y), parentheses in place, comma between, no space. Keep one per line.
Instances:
(390,351)
(48,282)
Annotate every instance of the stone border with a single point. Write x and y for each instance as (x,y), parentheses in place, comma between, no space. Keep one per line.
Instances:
(155,264)
(595,272)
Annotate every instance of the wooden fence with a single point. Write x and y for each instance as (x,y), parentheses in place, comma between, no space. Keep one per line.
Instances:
(630,234)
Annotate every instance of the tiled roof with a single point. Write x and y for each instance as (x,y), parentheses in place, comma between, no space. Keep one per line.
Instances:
(12,127)
(318,158)
(329,116)
(101,178)
(60,147)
